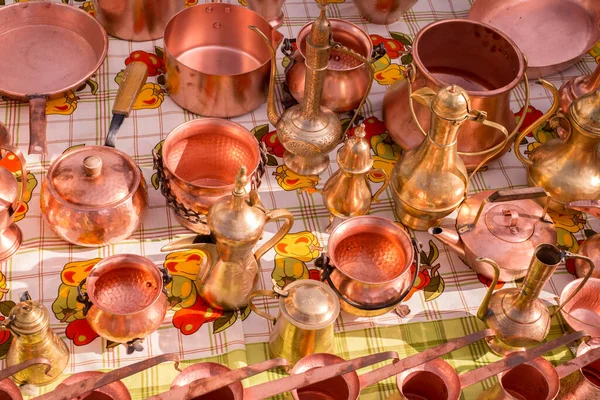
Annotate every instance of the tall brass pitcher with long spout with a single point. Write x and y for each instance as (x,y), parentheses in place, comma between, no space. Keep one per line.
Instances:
(517,316)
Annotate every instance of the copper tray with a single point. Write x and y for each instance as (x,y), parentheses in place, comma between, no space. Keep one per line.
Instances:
(553,34)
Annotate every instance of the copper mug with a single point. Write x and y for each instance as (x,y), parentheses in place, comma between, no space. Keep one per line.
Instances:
(477,57)
(125,298)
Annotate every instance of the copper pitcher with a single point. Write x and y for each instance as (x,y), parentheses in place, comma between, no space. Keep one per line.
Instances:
(475,56)
(11,197)
(236,223)
(517,316)
(347,192)
(591,247)
(308,310)
(504,225)
(567,168)
(29,322)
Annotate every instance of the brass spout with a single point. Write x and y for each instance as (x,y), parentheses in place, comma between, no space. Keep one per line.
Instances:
(203,243)
(450,239)
(272,113)
(483,308)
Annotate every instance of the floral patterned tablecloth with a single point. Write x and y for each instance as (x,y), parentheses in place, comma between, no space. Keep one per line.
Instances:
(443,301)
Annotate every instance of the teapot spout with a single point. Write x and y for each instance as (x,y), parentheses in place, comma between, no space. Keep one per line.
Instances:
(450,239)
(591,207)
(272,113)
(203,243)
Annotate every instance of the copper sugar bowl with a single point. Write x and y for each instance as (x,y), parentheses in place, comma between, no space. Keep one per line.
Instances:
(197,165)
(93,196)
(504,225)
(369,264)
(112,391)
(477,57)
(125,298)
(346,78)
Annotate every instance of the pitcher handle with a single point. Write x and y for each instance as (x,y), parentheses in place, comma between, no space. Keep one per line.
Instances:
(19,200)
(568,254)
(262,293)
(274,215)
(83,298)
(386,182)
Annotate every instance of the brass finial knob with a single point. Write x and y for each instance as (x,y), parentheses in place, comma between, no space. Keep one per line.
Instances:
(359,132)
(241,179)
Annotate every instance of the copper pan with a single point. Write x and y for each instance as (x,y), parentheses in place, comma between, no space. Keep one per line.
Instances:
(553,34)
(47,50)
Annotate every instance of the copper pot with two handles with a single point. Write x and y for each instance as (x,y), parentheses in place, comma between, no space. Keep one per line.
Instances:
(125,298)
(347,79)
(480,59)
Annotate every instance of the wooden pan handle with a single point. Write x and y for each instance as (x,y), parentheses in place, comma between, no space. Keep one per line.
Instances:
(134,79)
(37,125)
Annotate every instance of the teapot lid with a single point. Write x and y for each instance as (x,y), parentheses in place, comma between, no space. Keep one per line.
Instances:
(585,111)
(28,317)
(9,189)
(355,155)
(309,304)
(452,102)
(93,177)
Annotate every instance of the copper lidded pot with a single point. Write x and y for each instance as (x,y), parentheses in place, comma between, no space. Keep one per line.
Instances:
(136,20)
(474,56)
(125,298)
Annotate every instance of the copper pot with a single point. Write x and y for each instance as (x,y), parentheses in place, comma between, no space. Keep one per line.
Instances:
(207,370)
(198,163)
(214,66)
(113,391)
(383,12)
(583,311)
(368,264)
(134,19)
(346,79)
(125,298)
(474,56)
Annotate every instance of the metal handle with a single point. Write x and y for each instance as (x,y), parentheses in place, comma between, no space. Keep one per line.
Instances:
(576,364)
(10,371)
(568,254)
(262,293)
(379,52)
(256,178)
(586,206)
(83,297)
(483,308)
(287,48)
(386,182)
(540,121)
(273,215)
(37,125)
(374,376)
(19,200)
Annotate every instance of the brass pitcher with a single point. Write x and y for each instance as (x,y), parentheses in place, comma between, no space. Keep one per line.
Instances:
(308,310)
(307,131)
(430,181)
(568,169)
(29,322)
(517,316)
(236,223)
(347,192)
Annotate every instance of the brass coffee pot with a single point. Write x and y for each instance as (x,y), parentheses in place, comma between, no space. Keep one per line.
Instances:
(591,247)
(568,169)
(236,223)
(307,131)
(576,87)
(517,316)
(29,322)
(307,313)
(347,192)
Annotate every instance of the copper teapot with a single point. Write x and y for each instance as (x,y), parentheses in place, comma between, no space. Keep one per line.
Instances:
(517,316)
(504,225)
(347,192)
(591,247)
(236,223)
(29,322)
(567,168)
(308,131)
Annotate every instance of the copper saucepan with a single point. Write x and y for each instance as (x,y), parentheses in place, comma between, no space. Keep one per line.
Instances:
(47,50)
(214,67)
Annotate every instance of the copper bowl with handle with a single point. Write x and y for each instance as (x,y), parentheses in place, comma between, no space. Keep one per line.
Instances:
(583,311)
(113,391)
(197,165)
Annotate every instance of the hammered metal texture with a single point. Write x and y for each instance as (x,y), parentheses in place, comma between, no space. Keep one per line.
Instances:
(126,290)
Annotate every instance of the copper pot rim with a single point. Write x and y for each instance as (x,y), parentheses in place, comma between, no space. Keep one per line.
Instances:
(543,367)
(110,206)
(478,93)
(201,367)
(204,126)
(364,220)
(101,58)
(116,386)
(447,375)
(112,263)
(169,28)
(341,23)
(593,283)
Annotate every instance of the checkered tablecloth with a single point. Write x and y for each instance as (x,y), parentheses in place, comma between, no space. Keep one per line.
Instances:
(443,302)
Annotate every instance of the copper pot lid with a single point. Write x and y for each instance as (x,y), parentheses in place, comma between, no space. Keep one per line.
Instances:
(309,304)
(585,111)
(93,177)
(9,189)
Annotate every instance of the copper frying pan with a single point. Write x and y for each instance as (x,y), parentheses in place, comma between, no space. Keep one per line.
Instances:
(46,50)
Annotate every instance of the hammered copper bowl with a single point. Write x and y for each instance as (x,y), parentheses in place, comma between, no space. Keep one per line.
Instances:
(583,311)
(200,160)
(199,371)
(113,391)
(371,259)
(126,296)
(341,387)
(434,380)
(346,78)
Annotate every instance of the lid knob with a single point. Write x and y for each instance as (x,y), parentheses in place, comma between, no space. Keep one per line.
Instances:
(240,182)
(92,165)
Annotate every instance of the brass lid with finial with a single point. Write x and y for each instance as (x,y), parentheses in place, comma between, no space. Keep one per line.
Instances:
(585,112)
(28,317)
(451,102)
(355,155)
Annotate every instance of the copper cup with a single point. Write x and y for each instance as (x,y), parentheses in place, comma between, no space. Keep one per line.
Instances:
(234,391)
(271,10)
(534,380)
(434,380)
(113,391)
(197,165)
